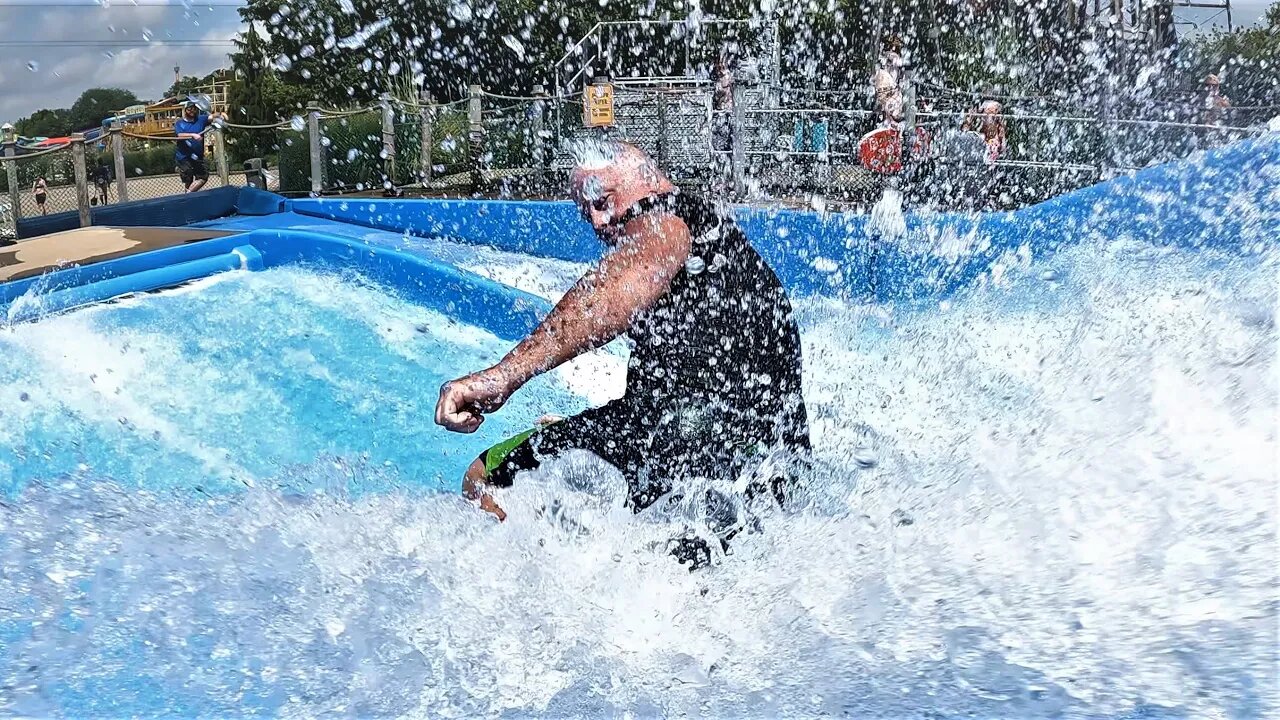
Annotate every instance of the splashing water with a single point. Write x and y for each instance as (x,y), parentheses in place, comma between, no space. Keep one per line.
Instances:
(887,219)
(1050,495)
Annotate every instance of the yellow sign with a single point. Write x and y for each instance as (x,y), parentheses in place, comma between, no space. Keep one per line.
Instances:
(597,106)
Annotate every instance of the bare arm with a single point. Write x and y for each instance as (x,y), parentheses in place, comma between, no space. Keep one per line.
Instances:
(597,309)
(600,306)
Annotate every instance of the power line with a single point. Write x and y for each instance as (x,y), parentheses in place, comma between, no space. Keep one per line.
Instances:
(114,43)
(114,4)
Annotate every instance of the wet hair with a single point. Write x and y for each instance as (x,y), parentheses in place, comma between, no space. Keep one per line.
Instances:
(598,154)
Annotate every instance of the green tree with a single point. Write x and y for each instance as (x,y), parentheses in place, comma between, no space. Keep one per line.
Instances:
(189,84)
(45,123)
(97,103)
(183,86)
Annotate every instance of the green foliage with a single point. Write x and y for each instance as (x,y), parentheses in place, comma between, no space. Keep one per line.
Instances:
(155,160)
(97,103)
(295,161)
(45,123)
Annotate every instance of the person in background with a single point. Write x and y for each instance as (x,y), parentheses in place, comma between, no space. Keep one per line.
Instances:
(722,103)
(722,118)
(40,189)
(1215,103)
(190,129)
(988,122)
(886,82)
(102,181)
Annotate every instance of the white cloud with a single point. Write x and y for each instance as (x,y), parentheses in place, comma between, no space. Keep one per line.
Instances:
(63,72)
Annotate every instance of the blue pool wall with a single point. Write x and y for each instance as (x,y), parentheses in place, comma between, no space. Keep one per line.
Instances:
(173,211)
(508,313)
(1228,198)
(1225,198)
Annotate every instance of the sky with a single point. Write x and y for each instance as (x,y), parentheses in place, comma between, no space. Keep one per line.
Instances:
(44,62)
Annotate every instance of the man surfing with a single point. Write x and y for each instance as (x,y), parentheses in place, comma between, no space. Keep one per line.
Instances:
(714,377)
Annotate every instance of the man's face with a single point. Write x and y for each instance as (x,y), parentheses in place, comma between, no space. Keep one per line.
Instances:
(190,112)
(594,192)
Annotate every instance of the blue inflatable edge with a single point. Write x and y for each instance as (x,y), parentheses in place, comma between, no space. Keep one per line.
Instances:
(504,311)
(1187,203)
(171,211)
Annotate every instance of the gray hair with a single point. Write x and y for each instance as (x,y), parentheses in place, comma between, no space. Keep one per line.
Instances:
(598,153)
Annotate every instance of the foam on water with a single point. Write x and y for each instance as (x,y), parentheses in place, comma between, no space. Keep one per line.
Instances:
(1053,495)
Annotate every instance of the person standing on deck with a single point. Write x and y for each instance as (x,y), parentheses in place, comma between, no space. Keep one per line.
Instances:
(190,129)
(713,380)
(102,182)
(988,122)
(40,188)
(1215,103)
(886,83)
(722,120)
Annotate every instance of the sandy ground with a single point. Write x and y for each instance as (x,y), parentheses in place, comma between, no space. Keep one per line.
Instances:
(89,245)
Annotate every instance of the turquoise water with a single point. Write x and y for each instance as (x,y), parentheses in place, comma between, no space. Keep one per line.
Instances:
(1050,496)
(291,380)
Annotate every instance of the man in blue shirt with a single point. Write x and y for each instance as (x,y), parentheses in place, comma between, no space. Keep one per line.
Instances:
(190,130)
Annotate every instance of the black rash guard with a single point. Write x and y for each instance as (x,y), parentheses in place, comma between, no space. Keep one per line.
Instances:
(714,374)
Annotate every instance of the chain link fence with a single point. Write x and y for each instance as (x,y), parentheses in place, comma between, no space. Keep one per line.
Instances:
(450,147)
(352,152)
(57,169)
(787,143)
(512,152)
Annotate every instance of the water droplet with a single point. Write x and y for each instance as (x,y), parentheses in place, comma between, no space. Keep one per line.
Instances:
(283,63)
(516,46)
(1050,276)
(461,11)
(325,141)
(33,66)
(307,51)
(865,457)
(695,265)
(297,123)
(366,65)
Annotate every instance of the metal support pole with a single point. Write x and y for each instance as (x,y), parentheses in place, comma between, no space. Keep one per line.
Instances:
(559,91)
(82,179)
(424,159)
(11,173)
(688,68)
(475,135)
(908,113)
(220,154)
(388,141)
(317,156)
(539,138)
(663,140)
(602,69)
(117,152)
(775,82)
(739,149)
